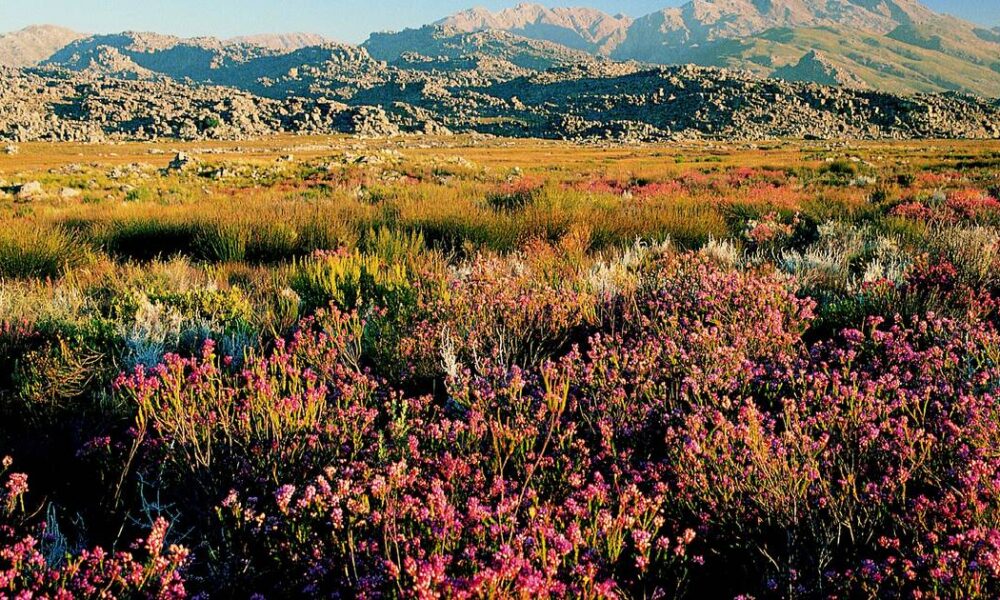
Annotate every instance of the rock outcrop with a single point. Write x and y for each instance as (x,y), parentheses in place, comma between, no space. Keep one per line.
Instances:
(590,100)
(816,68)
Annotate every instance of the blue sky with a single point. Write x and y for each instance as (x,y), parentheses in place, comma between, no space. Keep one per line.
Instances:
(346,20)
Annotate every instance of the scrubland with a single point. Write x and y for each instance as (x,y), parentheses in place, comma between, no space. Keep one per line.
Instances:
(500,369)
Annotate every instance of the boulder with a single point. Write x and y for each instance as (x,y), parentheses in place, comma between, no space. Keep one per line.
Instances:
(30,191)
(180,162)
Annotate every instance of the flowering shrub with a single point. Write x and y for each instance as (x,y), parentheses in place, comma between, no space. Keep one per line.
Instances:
(222,426)
(859,433)
(504,494)
(503,311)
(150,570)
(770,230)
(958,206)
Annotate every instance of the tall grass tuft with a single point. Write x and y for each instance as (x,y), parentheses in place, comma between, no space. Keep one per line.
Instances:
(222,241)
(28,250)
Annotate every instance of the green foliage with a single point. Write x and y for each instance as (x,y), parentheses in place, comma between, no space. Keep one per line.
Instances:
(210,122)
(350,280)
(841,167)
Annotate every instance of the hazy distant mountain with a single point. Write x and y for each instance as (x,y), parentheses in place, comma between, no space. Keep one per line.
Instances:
(34,44)
(282,41)
(579,28)
(251,66)
(264,66)
(140,55)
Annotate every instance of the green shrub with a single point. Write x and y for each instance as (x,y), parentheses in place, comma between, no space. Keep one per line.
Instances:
(393,246)
(210,122)
(271,242)
(841,167)
(138,195)
(350,280)
(323,234)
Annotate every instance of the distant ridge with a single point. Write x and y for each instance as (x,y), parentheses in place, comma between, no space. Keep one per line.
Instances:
(578,28)
(897,46)
(900,46)
(747,69)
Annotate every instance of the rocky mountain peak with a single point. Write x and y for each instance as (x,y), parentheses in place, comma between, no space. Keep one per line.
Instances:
(897,46)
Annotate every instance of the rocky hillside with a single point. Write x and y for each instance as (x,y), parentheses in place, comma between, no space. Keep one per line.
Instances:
(440,45)
(814,67)
(260,69)
(585,101)
(34,44)
(390,65)
(897,46)
(891,45)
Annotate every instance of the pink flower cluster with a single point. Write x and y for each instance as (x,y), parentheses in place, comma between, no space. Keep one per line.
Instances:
(961,205)
(97,573)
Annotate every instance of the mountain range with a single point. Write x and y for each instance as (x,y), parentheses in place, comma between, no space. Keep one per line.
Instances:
(897,46)
(748,69)
(892,45)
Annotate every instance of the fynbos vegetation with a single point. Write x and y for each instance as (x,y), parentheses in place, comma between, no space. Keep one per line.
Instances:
(320,368)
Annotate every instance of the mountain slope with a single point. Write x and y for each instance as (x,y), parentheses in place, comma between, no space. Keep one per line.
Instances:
(663,35)
(439,44)
(34,44)
(879,62)
(894,45)
(406,67)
